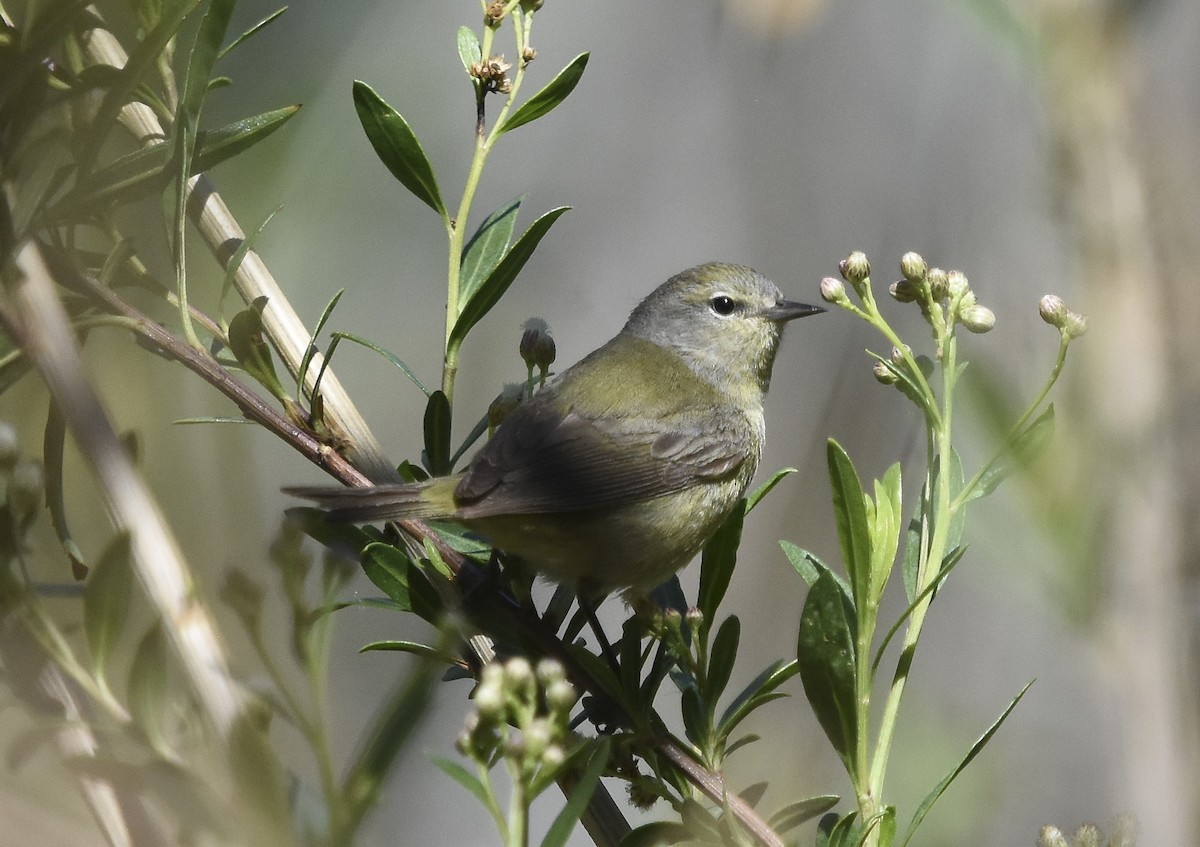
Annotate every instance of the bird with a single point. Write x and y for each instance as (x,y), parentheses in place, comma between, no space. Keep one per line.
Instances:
(618,470)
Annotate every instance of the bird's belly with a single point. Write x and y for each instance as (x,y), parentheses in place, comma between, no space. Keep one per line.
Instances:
(634,546)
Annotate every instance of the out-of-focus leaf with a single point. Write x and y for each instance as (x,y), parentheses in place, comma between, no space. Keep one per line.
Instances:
(794,814)
(252,31)
(258,777)
(564,823)
(239,255)
(397,147)
(1019,453)
(464,778)
(766,488)
(344,538)
(940,788)
(656,834)
(825,650)
(717,563)
(721,660)
(952,559)
(492,289)
(692,709)
(52,458)
(486,248)
(106,602)
(147,694)
(413,647)
(849,508)
(391,357)
(549,97)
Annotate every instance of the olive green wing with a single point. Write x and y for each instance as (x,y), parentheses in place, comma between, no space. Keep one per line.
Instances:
(602,437)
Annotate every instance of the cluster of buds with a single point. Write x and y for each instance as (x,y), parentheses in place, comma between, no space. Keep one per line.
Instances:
(1055,312)
(492,74)
(522,715)
(946,294)
(1089,835)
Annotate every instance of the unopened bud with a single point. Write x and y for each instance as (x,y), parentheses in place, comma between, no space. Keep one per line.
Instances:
(1051,836)
(966,301)
(528,55)
(554,756)
(833,291)
(939,284)
(903,291)
(550,671)
(977,318)
(884,374)
(494,14)
(1088,835)
(898,355)
(1053,310)
(694,617)
(956,284)
(913,267)
(489,700)
(508,399)
(531,5)
(1075,325)
(560,695)
(537,346)
(538,736)
(855,267)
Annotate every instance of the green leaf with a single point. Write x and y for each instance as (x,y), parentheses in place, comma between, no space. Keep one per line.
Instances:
(258,777)
(106,598)
(486,248)
(810,567)
(885,530)
(437,434)
(143,171)
(694,714)
(343,538)
(564,823)
(397,147)
(391,357)
(1019,453)
(825,650)
(147,694)
(311,349)
(468,48)
(721,660)
(850,510)
(940,788)
(249,347)
(717,563)
(464,778)
(655,834)
(492,289)
(760,690)
(794,814)
(413,647)
(53,441)
(387,567)
(549,97)
(252,31)
(766,488)
(238,256)
(952,559)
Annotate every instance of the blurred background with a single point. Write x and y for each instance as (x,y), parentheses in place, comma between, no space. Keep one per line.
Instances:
(1041,146)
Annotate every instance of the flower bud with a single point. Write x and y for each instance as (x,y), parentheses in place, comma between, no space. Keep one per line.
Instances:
(550,671)
(1075,325)
(898,355)
(508,399)
(903,291)
(531,5)
(494,14)
(1088,835)
(956,284)
(489,700)
(833,291)
(538,736)
(883,374)
(966,301)
(518,677)
(1051,836)
(694,618)
(855,267)
(913,267)
(977,318)
(554,756)
(939,284)
(560,695)
(528,55)
(1053,310)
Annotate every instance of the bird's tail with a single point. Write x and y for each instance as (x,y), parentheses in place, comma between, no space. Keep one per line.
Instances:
(419,500)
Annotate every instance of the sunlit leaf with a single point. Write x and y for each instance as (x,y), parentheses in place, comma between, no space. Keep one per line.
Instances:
(249,346)
(397,147)
(387,354)
(717,563)
(468,47)
(549,97)
(766,488)
(252,31)
(849,508)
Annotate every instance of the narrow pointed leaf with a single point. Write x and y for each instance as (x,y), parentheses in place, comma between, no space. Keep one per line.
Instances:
(1021,452)
(940,788)
(952,559)
(885,529)
(717,563)
(106,602)
(417,649)
(794,814)
(387,567)
(252,31)
(486,247)
(492,289)
(250,348)
(464,778)
(387,354)
(239,255)
(147,692)
(849,508)
(756,693)
(397,147)
(810,567)
(549,97)
(766,488)
(311,349)
(825,651)
(721,660)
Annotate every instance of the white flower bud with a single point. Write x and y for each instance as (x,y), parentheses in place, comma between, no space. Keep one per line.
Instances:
(833,291)
(913,267)
(977,318)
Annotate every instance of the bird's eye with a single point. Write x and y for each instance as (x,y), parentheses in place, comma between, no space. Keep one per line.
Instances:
(723,304)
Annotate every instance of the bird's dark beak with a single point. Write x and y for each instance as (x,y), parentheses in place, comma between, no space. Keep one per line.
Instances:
(786,310)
